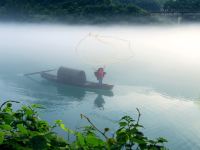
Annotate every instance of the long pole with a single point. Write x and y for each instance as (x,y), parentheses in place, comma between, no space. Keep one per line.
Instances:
(28,74)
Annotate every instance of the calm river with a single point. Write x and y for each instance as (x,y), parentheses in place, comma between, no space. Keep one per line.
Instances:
(162,78)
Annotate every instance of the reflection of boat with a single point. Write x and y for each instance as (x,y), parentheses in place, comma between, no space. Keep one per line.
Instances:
(78,92)
(71,92)
(74,78)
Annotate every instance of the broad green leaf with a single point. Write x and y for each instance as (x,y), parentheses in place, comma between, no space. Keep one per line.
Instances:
(7,109)
(9,104)
(80,139)
(133,131)
(111,141)
(94,141)
(22,129)
(63,127)
(58,122)
(6,127)
(138,141)
(34,133)
(122,124)
(27,110)
(8,118)
(66,129)
(161,140)
(122,137)
(37,106)
(38,142)
(1,137)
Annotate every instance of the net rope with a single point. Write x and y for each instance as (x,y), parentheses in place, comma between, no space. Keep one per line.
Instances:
(101,50)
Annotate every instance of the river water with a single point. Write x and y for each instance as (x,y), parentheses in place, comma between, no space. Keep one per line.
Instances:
(162,78)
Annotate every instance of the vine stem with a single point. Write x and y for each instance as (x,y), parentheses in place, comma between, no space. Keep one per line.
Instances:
(139,115)
(83,116)
(10,101)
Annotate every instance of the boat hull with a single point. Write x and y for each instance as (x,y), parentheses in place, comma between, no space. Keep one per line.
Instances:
(87,84)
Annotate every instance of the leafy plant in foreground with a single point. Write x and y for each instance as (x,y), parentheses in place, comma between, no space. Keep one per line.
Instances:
(23,129)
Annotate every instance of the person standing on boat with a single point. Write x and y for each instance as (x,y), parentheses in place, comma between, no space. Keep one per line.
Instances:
(100,75)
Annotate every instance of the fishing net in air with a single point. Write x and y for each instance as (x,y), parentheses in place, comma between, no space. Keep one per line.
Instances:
(99,50)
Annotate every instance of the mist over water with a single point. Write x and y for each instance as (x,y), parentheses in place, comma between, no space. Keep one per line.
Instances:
(162,78)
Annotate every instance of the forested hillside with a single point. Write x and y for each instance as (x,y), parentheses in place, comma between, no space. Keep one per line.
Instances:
(182,6)
(99,10)
(66,9)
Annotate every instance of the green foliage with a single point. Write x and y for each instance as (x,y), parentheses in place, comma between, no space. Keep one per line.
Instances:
(182,6)
(24,130)
(92,11)
(148,5)
(64,10)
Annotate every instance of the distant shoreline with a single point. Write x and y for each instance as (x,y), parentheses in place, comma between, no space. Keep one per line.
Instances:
(99,20)
(101,11)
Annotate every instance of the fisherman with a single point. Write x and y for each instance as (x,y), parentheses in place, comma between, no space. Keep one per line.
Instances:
(100,75)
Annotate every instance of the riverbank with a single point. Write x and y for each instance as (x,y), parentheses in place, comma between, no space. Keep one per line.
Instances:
(23,129)
(154,18)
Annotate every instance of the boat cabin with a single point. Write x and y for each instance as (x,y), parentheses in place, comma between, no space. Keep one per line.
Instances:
(71,76)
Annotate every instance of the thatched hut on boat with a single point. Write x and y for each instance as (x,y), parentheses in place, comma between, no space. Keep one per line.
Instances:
(71,76)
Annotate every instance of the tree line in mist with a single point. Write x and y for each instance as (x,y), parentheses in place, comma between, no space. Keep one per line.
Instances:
(99,10)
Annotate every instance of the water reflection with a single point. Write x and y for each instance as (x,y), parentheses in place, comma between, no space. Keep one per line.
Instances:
(77,92)
(54,93)
(99,101)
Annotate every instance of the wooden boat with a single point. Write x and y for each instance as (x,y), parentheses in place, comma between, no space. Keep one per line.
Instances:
(74,77)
